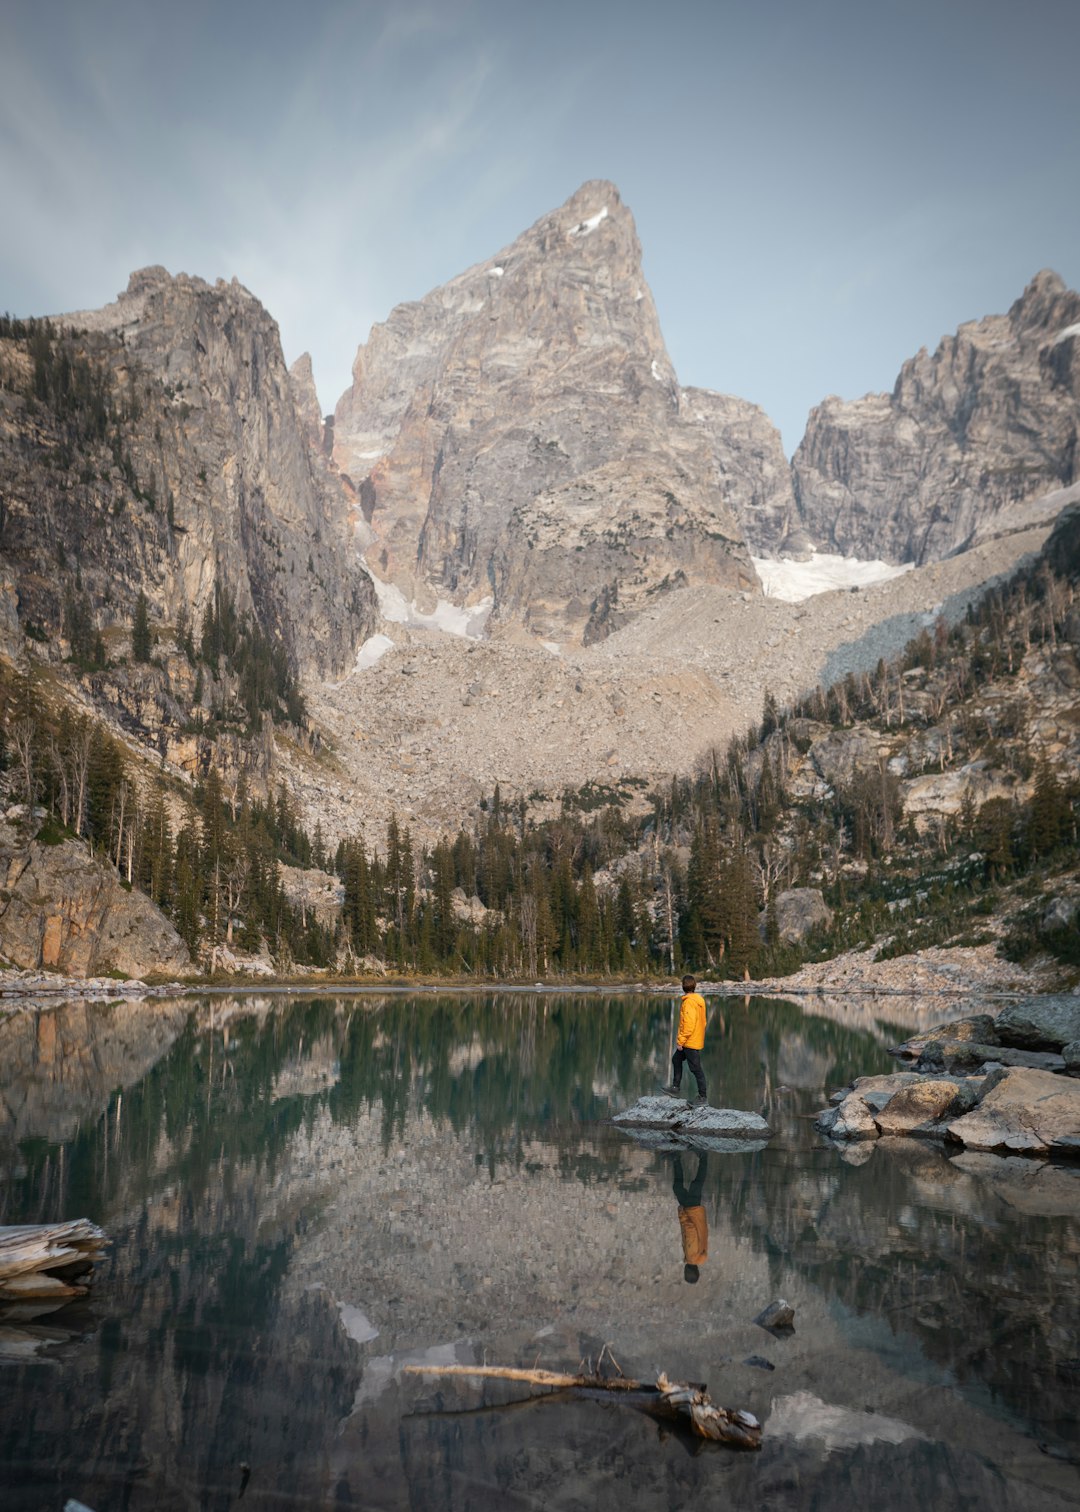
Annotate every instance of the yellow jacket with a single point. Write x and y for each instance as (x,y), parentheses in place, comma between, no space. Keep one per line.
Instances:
(691,1035)
(695,1235)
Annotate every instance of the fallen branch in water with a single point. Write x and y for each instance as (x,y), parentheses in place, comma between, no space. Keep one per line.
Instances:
(686,1401)
(47,1260)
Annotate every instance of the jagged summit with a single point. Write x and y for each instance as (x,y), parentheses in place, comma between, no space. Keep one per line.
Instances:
(987,422)
(517,435)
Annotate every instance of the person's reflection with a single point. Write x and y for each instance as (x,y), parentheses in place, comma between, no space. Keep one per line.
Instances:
(692,1220)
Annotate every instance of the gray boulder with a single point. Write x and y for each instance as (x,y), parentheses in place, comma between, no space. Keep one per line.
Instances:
(1041,1023)
(851,1120)
(1023,1111)
(969,1055)
(798,911)
(876,1091)
(919,1109)
(673,1115)
(979,1026)
(778,1314)
(1071,1056)
(1059,913)
(65,911)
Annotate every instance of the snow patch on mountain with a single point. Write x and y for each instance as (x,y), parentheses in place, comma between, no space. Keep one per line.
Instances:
(822,573)
(451,618)
(587,227)
(372,651)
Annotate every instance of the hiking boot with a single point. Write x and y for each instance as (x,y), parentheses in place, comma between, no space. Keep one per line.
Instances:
(700,1101)
(672,1089)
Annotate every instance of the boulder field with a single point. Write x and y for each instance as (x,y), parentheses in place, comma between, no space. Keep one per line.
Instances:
(1010,1084)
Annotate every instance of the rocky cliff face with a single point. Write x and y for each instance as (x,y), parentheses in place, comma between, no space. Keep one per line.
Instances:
(60,1066)
(61,909)
(176,461)
(518,434)
(988,421)
(750,469)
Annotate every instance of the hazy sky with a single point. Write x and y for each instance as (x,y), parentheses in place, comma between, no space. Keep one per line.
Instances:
(820,186)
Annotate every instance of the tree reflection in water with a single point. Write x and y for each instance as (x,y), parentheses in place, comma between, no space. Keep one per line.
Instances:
(204,1359)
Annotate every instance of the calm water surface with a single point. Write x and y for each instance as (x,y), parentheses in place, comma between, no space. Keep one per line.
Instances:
(305,1195)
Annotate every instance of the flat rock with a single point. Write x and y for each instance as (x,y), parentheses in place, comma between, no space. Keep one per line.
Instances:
(1041,1023)
(1024,1111)
(674,1115)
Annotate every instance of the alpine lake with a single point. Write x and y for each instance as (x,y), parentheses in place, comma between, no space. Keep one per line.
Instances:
(305,1194)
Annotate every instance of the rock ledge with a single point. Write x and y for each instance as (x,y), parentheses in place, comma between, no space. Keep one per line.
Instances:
(672,1123)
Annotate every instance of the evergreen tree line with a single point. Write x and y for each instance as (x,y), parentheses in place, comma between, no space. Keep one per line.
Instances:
(693,883)
(77,390)
(258,662)
(751,835)
(213,870)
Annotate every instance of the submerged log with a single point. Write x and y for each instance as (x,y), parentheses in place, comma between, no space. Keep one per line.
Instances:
(683,1400)
(47,1260)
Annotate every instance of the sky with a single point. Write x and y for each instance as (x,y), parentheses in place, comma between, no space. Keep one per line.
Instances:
(820,187)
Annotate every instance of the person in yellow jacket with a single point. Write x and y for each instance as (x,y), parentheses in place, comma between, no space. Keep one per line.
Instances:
(690,1040)
(693,1224)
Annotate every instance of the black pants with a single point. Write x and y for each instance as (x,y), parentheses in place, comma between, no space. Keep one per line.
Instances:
(688,1197)
(693,1060)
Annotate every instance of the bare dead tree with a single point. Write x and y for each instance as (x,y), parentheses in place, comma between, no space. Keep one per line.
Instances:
(23,746)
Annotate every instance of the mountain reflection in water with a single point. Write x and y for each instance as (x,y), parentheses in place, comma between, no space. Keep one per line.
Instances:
(306,1193)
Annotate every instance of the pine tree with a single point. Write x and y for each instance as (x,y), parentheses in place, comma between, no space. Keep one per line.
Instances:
(1049,812)
(140,630)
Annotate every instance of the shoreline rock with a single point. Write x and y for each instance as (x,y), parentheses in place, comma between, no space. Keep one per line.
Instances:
(976,1084)
(671,1123)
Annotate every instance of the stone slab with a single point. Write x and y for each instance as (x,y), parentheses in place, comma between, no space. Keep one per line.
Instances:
(1023,1112)
(673,1115)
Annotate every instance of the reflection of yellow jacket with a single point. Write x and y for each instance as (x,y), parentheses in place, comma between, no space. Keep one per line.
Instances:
(695,1234)
(691,1034)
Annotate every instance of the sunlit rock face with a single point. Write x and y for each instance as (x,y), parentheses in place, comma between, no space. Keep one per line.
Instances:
(519,433)
(64,910)
(988,422)
(751,470)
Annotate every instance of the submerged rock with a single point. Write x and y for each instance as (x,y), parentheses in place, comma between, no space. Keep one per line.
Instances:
(778,1314)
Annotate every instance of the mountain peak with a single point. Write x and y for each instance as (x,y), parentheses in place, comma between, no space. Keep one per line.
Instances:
(518,432)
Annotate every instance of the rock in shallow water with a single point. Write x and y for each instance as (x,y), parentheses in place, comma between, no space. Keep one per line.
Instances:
(1042,1023)
(917,1109)
(1023,1111)
(778,1314)
(664,1114)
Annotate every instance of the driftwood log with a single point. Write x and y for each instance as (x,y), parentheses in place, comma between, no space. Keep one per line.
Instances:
(47,1261)
(688,1402)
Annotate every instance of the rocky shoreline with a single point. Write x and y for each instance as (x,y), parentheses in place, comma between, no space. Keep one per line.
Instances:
(945,974)
(1009,1085)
